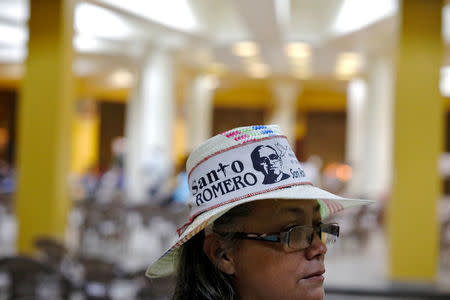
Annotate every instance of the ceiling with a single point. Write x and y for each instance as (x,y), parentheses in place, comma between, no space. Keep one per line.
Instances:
(114,36)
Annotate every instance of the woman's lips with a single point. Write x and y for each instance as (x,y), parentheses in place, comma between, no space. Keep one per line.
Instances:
(316,276)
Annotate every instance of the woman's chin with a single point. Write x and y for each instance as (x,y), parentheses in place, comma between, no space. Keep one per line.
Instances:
(314,293)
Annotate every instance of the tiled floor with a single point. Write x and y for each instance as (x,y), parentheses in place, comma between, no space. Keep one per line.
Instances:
(353,267)
(349,265)
(340,297)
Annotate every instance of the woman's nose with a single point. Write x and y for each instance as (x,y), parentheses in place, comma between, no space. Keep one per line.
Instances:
(317,248)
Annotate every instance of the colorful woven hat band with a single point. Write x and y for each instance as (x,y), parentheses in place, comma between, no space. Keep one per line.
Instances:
(261,161)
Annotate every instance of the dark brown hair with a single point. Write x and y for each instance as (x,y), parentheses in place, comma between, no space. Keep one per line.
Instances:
(197,277)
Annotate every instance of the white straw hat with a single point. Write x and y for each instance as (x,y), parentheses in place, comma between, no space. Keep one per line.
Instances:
(238,166)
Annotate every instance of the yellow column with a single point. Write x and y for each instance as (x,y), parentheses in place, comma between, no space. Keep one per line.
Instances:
(85,137)
(301,129)
(44,124)
(179,140)
(413,232)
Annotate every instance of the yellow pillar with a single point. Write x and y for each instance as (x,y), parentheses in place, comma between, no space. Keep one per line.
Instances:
(301,129)
(85,137)
(44,124)
(413,232)
(179,140)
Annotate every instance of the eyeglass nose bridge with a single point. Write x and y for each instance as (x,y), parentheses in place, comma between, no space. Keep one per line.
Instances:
(316,230)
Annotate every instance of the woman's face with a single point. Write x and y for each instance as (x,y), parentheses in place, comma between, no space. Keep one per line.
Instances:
(263,270)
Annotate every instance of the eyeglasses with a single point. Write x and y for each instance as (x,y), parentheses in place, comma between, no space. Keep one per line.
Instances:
(295,238)
(267,159)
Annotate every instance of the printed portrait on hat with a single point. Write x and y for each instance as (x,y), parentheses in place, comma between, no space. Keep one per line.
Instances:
(268,161)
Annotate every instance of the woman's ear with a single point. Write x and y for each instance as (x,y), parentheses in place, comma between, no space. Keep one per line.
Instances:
(218,254)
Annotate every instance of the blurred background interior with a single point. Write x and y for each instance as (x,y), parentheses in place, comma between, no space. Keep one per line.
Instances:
(101,101)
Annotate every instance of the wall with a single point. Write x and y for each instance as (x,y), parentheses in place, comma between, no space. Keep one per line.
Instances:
(325,136)
(8,100)
(112,125)
(227,118)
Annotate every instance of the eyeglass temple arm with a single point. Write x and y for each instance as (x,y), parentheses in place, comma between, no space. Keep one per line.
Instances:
(259,237)
(331,228)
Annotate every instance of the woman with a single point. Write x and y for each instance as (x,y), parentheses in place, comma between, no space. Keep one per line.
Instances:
(247,238)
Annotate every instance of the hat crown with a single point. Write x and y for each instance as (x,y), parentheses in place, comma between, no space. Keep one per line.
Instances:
(239,163)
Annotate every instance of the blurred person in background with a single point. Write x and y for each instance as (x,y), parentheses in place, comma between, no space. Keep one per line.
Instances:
(112,181)
(180,194)
(156,174)
(312,168)
(247,238)
(331,181)
(85,185)
(89,182)
(7,178)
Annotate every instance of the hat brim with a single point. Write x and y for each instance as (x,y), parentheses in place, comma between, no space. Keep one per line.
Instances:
(330,204)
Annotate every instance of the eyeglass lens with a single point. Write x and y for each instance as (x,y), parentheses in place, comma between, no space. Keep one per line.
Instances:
(301,237)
